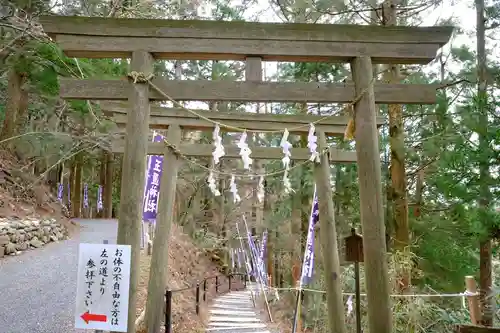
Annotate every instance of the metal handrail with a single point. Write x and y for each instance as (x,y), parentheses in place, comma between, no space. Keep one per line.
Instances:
(207,279)
(170,292)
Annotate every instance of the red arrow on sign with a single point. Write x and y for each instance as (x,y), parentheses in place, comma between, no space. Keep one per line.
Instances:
(93,317)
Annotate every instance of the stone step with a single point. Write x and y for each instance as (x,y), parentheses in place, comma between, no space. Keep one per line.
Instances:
(235,302)
(232,307)
(237,330)
(237,325)
(237,294)
(236,319)
(230,312)
(237,297)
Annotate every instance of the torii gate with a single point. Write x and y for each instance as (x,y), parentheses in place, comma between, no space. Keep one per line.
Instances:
(144,40)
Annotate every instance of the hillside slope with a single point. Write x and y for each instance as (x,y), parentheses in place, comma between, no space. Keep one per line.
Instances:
(24,195)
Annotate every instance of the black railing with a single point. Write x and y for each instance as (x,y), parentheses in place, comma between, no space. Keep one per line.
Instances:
(199,296)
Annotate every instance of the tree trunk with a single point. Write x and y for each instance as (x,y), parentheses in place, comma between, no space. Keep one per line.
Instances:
(270,240)
(306,197)
(278,268)
(22,112)
(295,234)
(102,178)
(397,168)
(108,187)
(485,255)
(417,208)
(71,185)
(221,209)
(13,104)
(54,175)
(77,187)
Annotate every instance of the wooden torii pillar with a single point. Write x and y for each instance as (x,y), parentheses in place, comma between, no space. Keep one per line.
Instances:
(370,194)
(133,173)
(159,259)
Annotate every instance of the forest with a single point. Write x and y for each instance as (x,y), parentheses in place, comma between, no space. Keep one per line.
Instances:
(440,163)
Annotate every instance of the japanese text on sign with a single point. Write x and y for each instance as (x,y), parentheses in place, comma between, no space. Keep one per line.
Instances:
(103,287)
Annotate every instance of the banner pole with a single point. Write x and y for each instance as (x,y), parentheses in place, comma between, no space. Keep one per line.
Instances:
(260,276)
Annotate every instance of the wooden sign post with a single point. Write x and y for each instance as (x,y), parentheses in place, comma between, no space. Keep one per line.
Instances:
(354,253)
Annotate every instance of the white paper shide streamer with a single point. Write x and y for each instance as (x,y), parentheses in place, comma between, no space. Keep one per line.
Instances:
(216,154)
(285,146)
(245,151)
(260,189)
(312,144)
(219,148)
(212,185)
(350,306)
(234,190)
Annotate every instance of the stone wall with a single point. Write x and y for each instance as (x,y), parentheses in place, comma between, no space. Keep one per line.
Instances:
(21,235)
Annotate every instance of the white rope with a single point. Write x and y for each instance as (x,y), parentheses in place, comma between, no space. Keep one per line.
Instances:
(463,294)
(469,293)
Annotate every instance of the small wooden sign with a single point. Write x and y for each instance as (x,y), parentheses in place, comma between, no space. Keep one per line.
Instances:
(354,247)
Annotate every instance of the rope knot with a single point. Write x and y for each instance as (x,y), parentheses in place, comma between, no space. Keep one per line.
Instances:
(174,149)
(140,77)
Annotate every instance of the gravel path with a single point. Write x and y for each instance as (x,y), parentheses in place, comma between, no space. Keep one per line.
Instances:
(38,287)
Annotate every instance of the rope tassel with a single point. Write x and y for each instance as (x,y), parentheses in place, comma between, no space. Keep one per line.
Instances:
(349,130)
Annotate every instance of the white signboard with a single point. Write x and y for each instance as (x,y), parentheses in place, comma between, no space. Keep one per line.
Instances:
(102,287)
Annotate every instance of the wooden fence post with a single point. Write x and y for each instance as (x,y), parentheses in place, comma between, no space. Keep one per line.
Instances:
(473,299)
(168,311)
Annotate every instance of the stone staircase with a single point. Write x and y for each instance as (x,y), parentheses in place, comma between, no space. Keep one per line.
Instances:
(234,312)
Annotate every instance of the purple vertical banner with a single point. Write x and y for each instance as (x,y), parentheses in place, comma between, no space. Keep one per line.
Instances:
(85,196)
(152,186)
(99,198)
(257,270)
(60,190)
(308,263)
